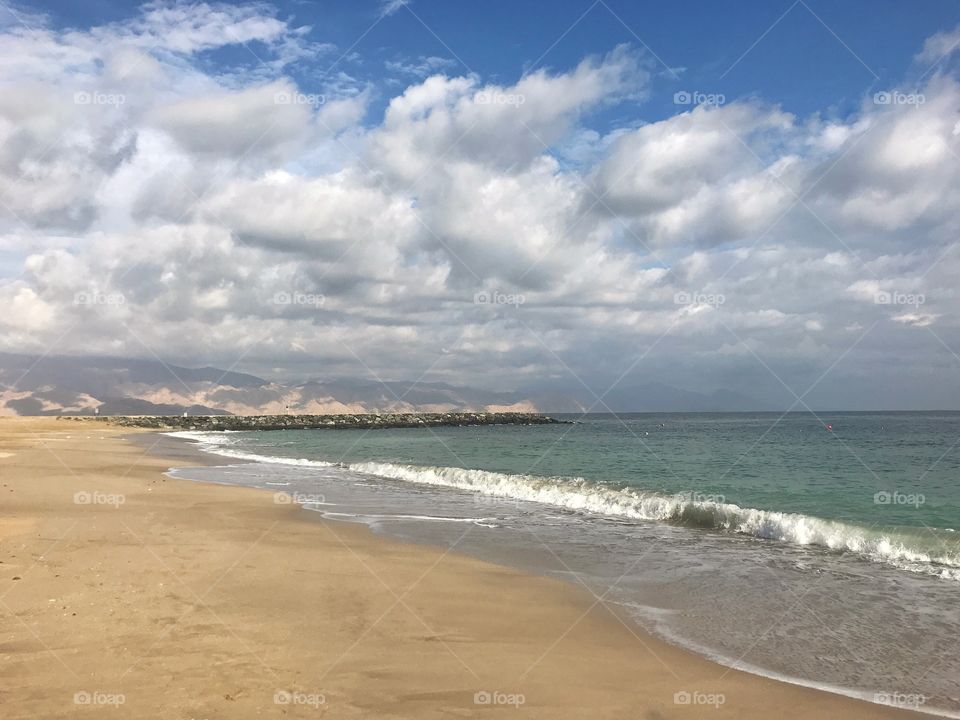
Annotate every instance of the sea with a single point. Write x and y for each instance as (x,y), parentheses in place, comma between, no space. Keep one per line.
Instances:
(821,549)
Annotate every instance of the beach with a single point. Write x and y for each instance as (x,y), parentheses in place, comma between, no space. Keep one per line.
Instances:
(128,592)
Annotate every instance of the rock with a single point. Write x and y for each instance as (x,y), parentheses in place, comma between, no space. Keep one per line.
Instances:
(304,422)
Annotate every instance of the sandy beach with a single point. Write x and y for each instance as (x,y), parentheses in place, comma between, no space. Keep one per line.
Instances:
(127,593)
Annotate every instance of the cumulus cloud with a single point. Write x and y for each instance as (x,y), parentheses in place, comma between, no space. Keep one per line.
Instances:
(233,124)
(483,232)
(460,118)
(698,177)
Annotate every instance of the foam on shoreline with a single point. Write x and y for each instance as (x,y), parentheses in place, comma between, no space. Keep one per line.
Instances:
(900,547)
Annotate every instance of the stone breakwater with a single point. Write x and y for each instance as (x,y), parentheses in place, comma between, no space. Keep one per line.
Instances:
(310,422)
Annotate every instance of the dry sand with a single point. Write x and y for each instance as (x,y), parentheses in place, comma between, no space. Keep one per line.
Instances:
(187,600)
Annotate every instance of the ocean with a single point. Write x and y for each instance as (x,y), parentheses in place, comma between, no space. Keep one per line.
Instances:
(822,550)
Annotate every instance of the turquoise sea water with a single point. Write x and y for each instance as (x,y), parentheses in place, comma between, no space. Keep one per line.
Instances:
(704,526)
(793,463)
(892,476)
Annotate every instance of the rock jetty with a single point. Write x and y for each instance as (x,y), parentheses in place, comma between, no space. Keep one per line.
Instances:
(331,422)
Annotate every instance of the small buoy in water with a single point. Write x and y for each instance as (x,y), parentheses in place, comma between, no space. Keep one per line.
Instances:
(830,427)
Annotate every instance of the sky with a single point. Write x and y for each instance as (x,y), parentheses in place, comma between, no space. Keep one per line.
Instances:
(751,196)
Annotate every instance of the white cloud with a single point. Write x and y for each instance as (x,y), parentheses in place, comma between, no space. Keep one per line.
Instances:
(698,177)
(256,121)
(422,66)
(504,126)
(940,46)
(916,319)
(187,28)
(205,193)
(389,7)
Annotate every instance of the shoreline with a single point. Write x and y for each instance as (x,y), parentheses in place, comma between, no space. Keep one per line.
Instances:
(210,458)
(289,594)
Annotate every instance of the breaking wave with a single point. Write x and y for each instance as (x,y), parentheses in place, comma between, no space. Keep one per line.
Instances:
(901,548)
(221,443)
(912,551)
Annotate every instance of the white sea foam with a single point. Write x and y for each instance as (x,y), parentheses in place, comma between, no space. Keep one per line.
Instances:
(902,550)
(368,517)
(905,551)
(220,443)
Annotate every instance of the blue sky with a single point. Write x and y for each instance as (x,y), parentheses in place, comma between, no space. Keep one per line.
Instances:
(811,56)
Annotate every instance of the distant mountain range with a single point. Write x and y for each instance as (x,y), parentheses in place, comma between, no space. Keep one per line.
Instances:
(32,385)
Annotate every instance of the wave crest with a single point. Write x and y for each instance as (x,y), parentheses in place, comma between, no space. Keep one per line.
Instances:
(220,443)
(901,549)
(689,509)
